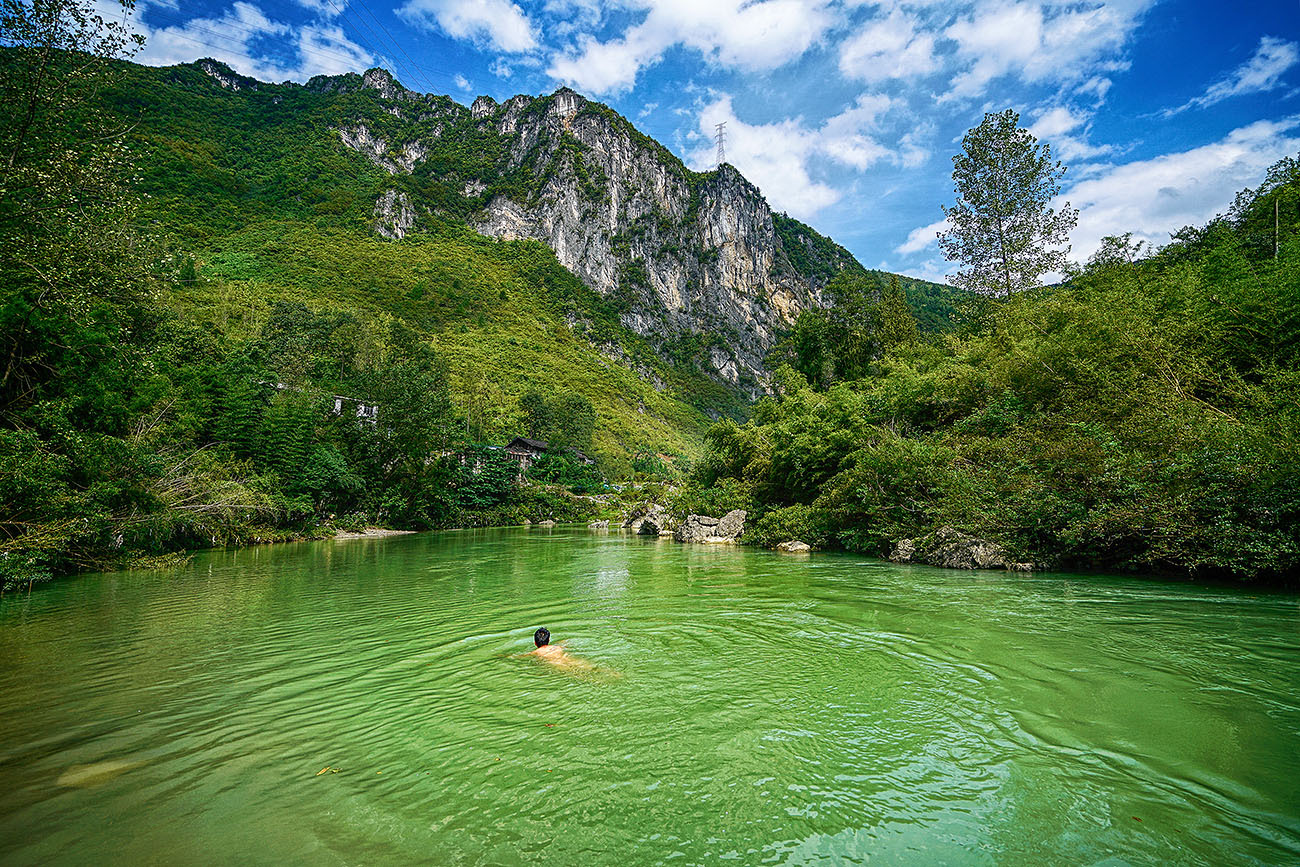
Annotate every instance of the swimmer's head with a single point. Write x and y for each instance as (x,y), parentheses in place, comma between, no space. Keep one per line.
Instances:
(542,637)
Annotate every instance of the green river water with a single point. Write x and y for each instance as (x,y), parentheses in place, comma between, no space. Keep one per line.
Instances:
(748,707)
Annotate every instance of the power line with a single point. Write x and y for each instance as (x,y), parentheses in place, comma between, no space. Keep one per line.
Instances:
(414,77)
(366,9)
(720,136)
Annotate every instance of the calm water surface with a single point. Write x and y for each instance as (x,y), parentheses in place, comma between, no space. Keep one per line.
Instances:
(749,707)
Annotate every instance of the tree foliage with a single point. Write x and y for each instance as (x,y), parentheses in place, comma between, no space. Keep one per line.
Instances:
(1141,417)
(1003,228)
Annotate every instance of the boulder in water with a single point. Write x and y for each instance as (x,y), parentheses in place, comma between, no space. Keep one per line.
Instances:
(794,546)
(950,548)
(705,528)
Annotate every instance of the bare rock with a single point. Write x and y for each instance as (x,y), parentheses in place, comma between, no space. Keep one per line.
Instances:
(950,548)
(704,528)
(650,520)
(394,216)
(731,525)
(904,551)
(794,547)
(546,523)
(598,525)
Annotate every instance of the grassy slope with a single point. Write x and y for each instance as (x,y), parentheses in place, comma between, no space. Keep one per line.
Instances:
(258,188)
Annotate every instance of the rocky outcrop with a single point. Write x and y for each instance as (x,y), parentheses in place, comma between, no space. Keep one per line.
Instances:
(703,528)
(598,525)
(652,520)
(547,523)
(953,549)
(394,216)
(794,546)
(225,76)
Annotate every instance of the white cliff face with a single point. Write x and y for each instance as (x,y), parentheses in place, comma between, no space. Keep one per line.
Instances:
(394,216)
(687,259)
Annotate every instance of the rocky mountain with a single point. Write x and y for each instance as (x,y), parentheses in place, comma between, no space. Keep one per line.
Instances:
(689,260)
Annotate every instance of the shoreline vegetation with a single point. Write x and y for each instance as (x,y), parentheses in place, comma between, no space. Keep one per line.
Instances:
(296,375)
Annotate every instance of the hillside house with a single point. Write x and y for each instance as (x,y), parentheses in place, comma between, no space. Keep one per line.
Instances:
(525,451)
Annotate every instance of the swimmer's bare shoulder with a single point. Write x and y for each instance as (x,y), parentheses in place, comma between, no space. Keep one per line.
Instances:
(555,654)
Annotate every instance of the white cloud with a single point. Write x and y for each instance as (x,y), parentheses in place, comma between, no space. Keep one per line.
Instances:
(779,156)
(888,47)
(751,36)
(239,37)
(500,68)
(774,156)
(498,23)
(1152,198)
(1043,42)
(1058,125)
(1261,73)
(461,81)
(323,8)
(922,237)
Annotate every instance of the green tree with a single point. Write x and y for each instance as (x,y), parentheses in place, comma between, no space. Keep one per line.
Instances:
(895,324)
(1003,228)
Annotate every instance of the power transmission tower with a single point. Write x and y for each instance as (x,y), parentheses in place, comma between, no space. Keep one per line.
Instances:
(720,136)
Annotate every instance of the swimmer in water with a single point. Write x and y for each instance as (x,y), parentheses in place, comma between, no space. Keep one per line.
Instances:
(554,653)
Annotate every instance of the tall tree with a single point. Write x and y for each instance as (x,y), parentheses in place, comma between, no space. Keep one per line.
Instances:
(1003,228)
(895,324)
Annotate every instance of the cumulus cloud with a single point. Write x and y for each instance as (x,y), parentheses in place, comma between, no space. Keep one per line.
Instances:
(1067,132)
(461,81)
(243,36)
(500,24)
(1042,42)
(890,47)
(921,237)
(778,156)
(1153,198)
(750,36)
(323,8)
(1261,73)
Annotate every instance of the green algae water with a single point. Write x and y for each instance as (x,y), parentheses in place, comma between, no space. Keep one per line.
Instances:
(369,702)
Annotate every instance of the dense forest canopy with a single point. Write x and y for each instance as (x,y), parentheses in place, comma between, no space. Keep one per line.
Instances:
(1142,415)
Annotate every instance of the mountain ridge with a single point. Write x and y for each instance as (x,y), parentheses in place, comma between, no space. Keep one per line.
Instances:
(694,262)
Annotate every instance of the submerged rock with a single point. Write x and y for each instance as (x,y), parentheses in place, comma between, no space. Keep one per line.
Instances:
(794,546)
(950,548)
(86,776)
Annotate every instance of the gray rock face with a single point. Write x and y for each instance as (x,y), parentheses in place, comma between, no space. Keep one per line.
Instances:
(546,523)
(684,254)
(394,216)
(794,547)
(731,525)
(703,528)
(598,525)
(953,549)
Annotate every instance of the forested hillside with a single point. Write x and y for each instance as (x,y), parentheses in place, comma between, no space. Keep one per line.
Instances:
(1144,415)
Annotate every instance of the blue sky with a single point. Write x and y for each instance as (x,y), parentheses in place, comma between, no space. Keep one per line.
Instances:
(846,114)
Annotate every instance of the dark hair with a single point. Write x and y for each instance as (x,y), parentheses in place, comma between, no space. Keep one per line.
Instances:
(542,637)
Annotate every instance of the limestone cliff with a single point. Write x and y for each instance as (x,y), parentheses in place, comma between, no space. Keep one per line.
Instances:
(696,262)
